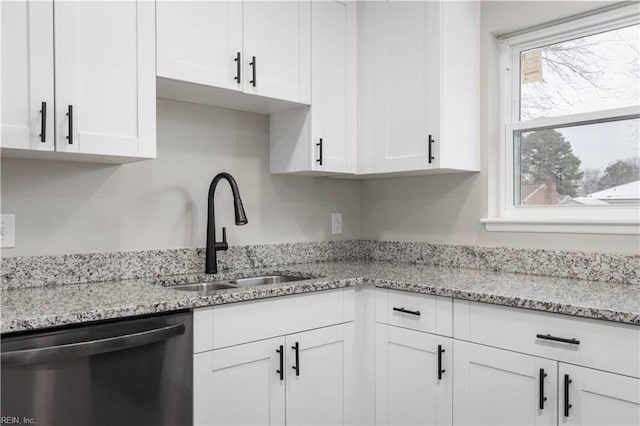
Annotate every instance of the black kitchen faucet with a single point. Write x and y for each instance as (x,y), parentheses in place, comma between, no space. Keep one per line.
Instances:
(211,260)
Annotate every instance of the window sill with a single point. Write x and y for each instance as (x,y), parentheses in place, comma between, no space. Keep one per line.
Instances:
(562,226)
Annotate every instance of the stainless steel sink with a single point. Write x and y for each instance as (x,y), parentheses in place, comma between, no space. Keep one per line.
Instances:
(266,279)
(203,287)
(238,283)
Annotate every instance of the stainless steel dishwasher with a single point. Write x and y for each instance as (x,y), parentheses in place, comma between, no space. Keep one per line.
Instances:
(128,372)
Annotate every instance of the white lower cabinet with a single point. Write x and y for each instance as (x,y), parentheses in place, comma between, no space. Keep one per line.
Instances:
(593,397)
(400,358)
(239,385)
(252,383)
(315,378)
(286,360)
(516,366)
(497,387)
(413,377)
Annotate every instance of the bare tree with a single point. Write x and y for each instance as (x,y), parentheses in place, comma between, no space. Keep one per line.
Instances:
(581,65)
(589,182)
(633,61)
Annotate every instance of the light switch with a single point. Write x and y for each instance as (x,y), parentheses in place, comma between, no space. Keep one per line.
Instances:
(336,223)
(7,230)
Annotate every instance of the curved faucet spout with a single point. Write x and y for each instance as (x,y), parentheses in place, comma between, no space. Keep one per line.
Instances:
(211,261)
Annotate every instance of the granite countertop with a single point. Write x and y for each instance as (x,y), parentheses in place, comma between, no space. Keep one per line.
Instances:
(35,308)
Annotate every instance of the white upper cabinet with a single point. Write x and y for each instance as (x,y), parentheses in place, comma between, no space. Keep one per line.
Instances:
(277,49)
(397,51)
(334,87)
(419,75)
(105,78)
(200,42)
(104,68)
(251,48)
(27,75)
(322,139)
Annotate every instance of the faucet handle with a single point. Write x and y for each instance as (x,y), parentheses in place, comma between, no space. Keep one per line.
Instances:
(224,234)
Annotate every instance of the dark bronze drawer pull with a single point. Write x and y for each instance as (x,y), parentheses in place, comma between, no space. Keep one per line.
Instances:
(407,311)
(558,339)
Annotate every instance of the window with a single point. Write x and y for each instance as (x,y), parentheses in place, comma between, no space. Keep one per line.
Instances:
(570,149)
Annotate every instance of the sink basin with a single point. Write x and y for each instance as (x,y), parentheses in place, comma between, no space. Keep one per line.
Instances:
(203,287)
(266,279)
(238,283)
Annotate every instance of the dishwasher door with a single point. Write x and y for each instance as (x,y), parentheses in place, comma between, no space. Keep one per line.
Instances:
(129,372)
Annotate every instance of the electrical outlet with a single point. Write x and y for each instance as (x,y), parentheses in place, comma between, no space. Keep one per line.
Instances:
(336,223)
(7,230)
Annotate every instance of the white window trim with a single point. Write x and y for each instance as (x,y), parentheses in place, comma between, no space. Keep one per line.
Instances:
(503,215)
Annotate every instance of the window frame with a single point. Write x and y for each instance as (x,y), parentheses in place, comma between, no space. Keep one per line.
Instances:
(504,215)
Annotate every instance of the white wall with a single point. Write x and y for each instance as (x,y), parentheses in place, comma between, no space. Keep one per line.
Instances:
(448,208)
(65,207)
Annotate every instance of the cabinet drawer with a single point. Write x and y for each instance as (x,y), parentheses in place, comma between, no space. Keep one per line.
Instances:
(422,312)
(597,344)
(227,325)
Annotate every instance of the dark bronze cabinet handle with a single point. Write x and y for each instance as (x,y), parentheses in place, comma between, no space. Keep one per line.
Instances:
(567,405)
(319,145)
(43,122)
(440,369)
(70,115)
(296,367)
(238,67)
(281,370)
(431,157)
(407,311)
(558,339)
(542,397)
(253,71)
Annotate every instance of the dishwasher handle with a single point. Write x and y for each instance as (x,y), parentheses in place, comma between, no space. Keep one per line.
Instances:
(90,347)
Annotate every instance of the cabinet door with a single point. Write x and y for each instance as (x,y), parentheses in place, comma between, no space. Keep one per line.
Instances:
(498,387)
(27,75)
(239,385)
(409,389)
(105,76)
(316,375)
(278,35)
(403,57)
(199,42)
(334,86)
(594,397)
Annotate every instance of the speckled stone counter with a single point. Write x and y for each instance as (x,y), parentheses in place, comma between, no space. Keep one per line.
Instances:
(40,271)
(35,308)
